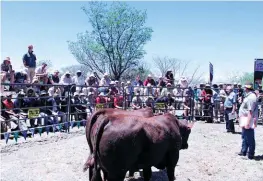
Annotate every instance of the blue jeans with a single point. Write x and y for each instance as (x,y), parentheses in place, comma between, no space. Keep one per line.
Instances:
(248,142)
(229,123)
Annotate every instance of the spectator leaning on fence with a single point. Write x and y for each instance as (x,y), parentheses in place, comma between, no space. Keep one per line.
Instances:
(138,81)
(53,78)
(8,72)
(79,80)
(91,80)
(248,117)
(169,77)
(29,60)
(149,80)
(66,80)
(41,73)
(105,81)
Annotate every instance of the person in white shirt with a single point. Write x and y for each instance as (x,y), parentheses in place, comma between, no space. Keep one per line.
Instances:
(248,116)
(66,80)
(41,73)
(105,81)
(79,80)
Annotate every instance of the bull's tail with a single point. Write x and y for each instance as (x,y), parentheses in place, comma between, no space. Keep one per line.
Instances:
(90,124)
(98,136)
(92,163)
(89,163)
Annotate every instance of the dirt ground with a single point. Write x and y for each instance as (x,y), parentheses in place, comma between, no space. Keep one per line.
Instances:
(212,155)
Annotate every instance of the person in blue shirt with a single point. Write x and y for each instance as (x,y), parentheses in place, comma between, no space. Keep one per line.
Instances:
(216,102)
(230,108)
(29,60)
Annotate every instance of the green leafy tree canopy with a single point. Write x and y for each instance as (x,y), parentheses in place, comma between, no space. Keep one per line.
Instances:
(115,45)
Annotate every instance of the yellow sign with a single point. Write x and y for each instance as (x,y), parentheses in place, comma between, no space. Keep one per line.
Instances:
(33,113)
(160,106)
(99,106)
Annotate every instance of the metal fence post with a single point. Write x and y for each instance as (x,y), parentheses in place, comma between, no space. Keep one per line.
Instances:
(192,105)
(69,106)
(124,96)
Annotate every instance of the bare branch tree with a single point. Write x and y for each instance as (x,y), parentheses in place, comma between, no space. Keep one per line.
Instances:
(164,64)
(178,67)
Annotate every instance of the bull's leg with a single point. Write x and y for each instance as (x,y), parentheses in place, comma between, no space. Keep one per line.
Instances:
(96,176)
(91,172)
(147,173)
(172,160)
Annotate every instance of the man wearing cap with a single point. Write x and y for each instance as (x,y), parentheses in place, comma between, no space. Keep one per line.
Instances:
(91,80)
(9,105)
(222,94)
(149,80)
(53,78)
(230,109)
(29,60)
(41,73)
(248,116)
(137,101)
(105,81)
(66,80)
(7,71)
(79,80)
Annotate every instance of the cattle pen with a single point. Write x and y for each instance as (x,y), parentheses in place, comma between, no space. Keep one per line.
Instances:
(212,155)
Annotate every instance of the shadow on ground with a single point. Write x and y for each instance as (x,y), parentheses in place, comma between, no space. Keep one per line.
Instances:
(258,157)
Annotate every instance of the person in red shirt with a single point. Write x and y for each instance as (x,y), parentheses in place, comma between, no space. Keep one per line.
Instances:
(8,103)
(149,80)
(101,100)
(118,101)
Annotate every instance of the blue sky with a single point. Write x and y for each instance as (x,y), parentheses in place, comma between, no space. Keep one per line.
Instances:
(229,34)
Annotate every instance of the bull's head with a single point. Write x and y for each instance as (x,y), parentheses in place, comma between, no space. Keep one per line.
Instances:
(185,130)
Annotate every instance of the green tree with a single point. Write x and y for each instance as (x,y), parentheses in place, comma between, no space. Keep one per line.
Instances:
(241,77)
(116,43)
(246,77)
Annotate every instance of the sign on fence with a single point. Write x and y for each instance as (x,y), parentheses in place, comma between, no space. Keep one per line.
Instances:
(33,113)
(99,106)
(160,106)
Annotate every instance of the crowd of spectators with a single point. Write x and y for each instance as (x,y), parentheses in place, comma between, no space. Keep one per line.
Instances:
(56,96)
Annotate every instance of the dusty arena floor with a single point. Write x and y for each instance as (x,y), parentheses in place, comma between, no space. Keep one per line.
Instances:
(60,157)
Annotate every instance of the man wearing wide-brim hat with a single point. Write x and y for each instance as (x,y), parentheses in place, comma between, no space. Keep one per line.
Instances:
(248,116)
